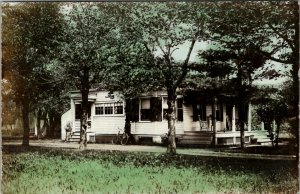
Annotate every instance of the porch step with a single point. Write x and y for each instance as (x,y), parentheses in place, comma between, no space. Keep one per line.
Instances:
(75,137)
(196,138)
(261,138)
(195,142)
(198,133)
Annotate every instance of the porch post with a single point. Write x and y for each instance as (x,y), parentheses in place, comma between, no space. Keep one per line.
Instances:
(233,119)
(274,126)
(214,121)
(262,126)
(73,112)
(224,117)
(35,126)
(249,117)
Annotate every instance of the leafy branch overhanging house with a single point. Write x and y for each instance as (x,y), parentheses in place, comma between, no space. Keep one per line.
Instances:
(194,125)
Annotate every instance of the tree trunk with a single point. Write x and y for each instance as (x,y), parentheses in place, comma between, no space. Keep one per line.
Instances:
(127,126)
(25,114)
(171,149)
(38,118)
(296,80)
(277,135)
(52,124)
(56,126)
(213,120)
(85,86)
(241,105)
(242,119)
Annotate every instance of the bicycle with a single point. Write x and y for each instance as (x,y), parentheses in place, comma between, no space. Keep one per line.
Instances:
(120,138)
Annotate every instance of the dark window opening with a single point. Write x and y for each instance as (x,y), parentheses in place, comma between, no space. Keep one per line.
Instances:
(99,111)
(77,111)
(199,112)
(108,109)
(145,114)
(118,108)
(155,107)
(219,112)
(179,115)
(179,109)
(145,110)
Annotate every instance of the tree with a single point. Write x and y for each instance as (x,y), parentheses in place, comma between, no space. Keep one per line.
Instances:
(280,21)
(271,107)
(231,27)
(162,28)
(130,75)
(28,31)
(85,50)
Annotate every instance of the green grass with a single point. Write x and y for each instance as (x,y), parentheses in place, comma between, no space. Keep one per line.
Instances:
(34,170)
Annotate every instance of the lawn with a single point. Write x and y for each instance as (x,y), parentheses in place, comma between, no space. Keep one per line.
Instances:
(45,170)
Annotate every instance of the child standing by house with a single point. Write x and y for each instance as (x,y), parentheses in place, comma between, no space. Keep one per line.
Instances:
(68,129)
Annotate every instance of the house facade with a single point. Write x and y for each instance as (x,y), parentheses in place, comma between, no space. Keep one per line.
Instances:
(194,117)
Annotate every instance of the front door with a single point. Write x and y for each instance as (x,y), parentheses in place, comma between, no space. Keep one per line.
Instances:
(78,113)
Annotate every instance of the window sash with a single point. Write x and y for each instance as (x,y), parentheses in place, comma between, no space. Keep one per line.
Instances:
(109,108)
(99,110)
(145,103)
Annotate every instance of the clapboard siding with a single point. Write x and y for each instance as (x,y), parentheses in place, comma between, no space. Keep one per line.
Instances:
(190,125)
(108,124)
(65,119)
(154,128)
(188,118)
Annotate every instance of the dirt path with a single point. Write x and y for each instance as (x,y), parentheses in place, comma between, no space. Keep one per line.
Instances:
(157,149)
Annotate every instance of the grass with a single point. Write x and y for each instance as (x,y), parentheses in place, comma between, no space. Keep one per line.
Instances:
(45,170)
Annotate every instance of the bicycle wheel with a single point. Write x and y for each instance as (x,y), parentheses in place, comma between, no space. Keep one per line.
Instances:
(124,139)
(114,139)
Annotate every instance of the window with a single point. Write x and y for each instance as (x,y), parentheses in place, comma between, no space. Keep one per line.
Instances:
(99,109)
(118,108)
(179,109)
(145,109)
(109,108)
(199,110)
(165,108)
(179,113)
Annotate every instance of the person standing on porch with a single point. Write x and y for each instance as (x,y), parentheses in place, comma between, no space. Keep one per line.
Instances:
(228,123)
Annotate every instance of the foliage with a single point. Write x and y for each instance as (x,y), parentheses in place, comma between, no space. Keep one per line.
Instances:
(28,32)
(281,23)
(85,48)
(271,106)
(159,29)
(57,171)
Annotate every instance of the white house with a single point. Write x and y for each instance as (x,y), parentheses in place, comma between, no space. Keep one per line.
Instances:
(194,117)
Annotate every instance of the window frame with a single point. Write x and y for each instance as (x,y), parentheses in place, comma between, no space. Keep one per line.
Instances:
(140,109)
(103,105)
(164,99)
